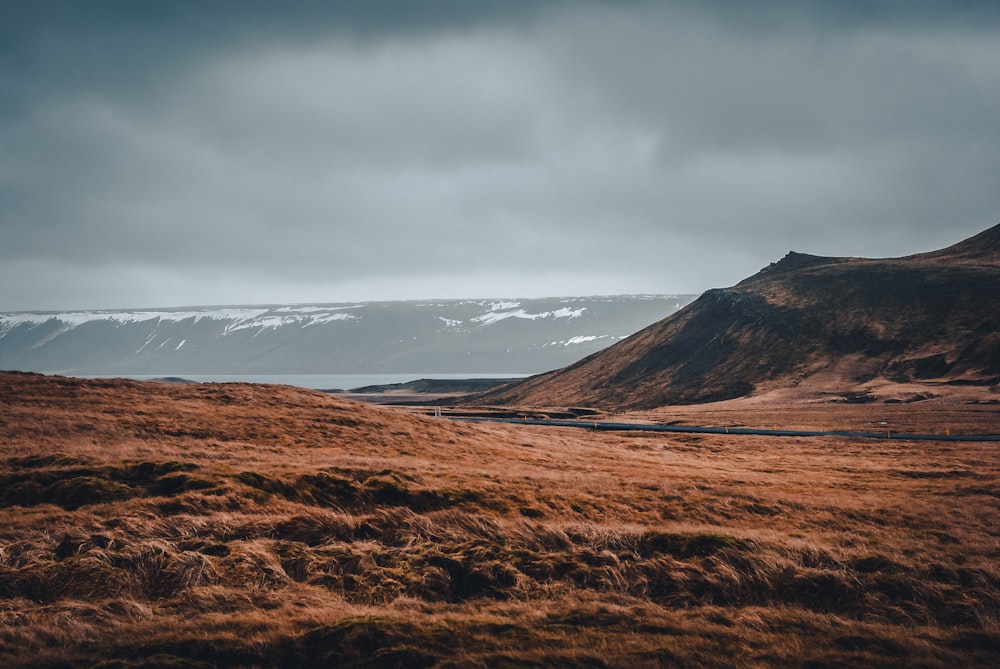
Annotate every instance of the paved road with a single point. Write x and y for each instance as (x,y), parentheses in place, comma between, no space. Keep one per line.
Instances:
(652,427)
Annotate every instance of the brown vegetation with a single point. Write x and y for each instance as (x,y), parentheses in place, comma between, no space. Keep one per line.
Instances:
(820,328)
(154,525)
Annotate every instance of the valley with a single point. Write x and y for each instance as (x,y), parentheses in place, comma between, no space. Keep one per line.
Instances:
(147,524)
(174,524)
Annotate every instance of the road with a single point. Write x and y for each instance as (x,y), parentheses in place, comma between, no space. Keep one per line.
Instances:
(653,427)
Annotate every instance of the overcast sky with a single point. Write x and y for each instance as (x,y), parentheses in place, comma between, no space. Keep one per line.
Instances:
(187,153)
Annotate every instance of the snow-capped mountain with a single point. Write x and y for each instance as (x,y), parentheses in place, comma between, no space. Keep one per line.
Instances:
(440,336)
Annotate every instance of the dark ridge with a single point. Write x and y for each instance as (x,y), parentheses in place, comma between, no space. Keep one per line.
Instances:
(981,249)
(794,260)
(933,317)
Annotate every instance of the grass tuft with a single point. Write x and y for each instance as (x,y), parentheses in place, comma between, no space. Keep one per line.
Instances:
(237,525)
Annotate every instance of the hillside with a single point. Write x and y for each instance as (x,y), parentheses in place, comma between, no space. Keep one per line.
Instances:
(438,336)
(236,525)
(832,328)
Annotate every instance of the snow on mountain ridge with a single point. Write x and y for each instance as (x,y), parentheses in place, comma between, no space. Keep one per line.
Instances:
(329,318)
(579,339)
(76,318)
(496,316)
(265,321)
(387,336)
(237,318)
(500,306)
(312,310)
(260,318)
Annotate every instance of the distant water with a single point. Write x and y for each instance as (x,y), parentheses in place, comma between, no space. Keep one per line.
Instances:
(315,381)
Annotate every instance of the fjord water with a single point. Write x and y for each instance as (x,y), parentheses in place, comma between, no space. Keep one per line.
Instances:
(317,381)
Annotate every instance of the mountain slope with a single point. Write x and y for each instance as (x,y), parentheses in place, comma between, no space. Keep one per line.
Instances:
(442,336)
(928,318)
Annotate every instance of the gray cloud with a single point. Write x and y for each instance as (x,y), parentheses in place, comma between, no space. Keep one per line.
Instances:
(165,153)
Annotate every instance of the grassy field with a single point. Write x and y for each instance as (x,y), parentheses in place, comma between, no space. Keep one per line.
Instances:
(154,525)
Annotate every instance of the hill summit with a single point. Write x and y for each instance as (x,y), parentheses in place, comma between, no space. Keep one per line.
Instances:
(825,328)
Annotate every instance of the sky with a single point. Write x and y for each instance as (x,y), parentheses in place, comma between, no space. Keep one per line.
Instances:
(157,154)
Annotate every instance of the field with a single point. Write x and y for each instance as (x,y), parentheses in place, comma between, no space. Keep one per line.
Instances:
(155,525)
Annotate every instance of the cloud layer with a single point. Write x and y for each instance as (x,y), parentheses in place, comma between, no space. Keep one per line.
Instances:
(157,156)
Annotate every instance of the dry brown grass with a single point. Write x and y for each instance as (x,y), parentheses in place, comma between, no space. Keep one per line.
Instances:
(148,525)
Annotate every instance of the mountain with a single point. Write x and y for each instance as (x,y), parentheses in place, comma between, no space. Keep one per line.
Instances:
(441,336)
(839,328)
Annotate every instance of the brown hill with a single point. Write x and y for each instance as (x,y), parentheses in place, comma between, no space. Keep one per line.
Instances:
(843,326)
